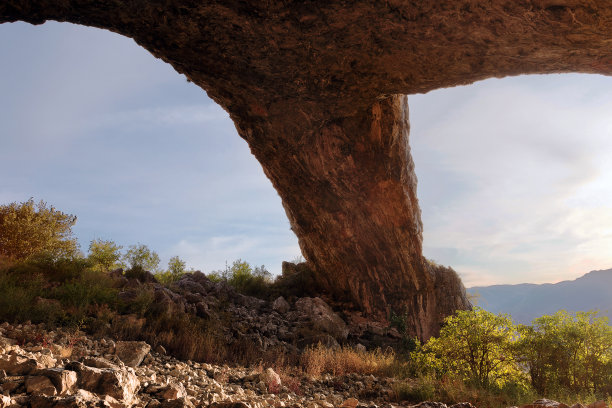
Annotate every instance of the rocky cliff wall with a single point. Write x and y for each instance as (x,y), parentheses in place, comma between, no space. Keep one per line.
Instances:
(315,89)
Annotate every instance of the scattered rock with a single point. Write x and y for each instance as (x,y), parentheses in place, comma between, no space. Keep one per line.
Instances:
(429,404)
(132,352)
(280,305)
(5,401)
(349,403)
(323,317)
(64,381)
(272,380)
(16,364)
(40,385)
(118,383)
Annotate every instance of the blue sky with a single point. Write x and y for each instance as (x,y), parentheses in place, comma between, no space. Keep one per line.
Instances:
(514,174)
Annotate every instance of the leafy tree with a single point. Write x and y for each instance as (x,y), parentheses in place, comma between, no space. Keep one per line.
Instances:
(176,266)
(567,351)
(140,256)
(105,255)
(28,229)
(176,269)
(476,346)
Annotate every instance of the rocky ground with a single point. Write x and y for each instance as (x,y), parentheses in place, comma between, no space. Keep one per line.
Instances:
(43,369)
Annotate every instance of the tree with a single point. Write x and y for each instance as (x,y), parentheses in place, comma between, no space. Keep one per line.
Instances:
(477,346)
(140,256)
(571,352)
(28,229)
(105,254)
(176,266)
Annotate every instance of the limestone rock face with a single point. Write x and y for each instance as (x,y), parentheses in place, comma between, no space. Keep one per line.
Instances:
(315,88)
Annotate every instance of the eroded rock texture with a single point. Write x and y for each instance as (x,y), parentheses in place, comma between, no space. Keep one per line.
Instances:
(314,89)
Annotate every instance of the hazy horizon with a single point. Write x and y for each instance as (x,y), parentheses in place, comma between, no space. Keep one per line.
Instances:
(513,173)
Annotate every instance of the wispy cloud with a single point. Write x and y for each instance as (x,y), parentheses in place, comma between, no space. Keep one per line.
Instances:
(529,161)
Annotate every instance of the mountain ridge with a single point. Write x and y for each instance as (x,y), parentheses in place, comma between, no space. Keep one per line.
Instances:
(526,301)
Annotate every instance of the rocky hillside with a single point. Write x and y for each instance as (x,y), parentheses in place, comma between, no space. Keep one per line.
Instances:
(527,301)
(245,323)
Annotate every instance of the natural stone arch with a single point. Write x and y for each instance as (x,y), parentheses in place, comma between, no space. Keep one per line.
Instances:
(315,89)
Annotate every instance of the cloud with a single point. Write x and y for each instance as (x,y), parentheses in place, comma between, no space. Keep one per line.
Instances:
(507,171)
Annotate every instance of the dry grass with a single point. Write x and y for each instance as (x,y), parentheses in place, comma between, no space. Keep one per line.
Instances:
(319,360)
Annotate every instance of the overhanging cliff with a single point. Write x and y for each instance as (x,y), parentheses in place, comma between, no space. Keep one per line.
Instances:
(316,89)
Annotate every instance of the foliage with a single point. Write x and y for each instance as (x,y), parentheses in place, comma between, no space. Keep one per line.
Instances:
(245,279)
(176,266)
(408,343)
(141,256)
(28,229)
(51,291)
(476,346)
(105,255)
(571,352)
(176,269)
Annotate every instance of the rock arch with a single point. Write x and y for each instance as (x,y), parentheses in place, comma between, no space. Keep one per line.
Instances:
(316,89)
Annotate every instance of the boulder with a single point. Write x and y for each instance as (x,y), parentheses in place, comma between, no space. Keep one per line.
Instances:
(64,380)
(40,385)
(281,305)
(132,352)
(5,401)
(171,391)
(118,383)
(272,380)
(349,403)
(323,317)
(16,364)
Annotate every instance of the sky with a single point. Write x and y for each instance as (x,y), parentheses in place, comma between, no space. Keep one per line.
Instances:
(515,174)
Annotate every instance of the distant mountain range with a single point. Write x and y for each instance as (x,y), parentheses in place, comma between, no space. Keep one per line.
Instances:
(525,302)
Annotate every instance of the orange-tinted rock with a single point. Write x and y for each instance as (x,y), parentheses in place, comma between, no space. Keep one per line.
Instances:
(314,88)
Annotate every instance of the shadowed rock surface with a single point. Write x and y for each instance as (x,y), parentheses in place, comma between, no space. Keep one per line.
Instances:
(316,89)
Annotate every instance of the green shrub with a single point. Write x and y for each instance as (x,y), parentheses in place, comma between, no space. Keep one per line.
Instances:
(176,269)
(141,256)
(105,255)
(91,288)
(244,279)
